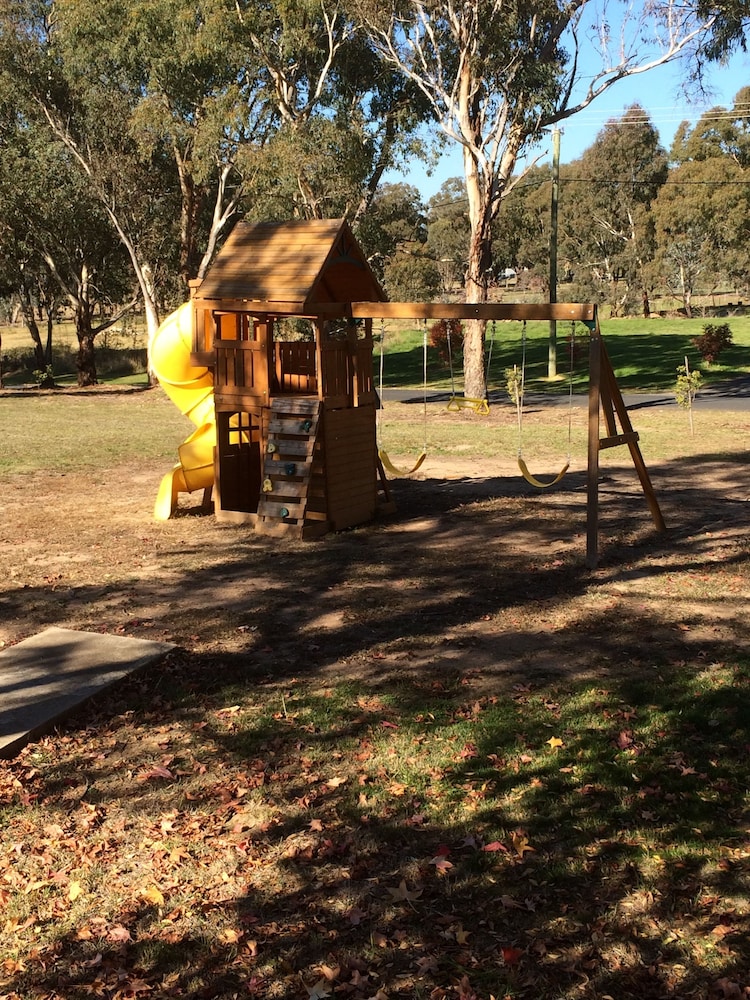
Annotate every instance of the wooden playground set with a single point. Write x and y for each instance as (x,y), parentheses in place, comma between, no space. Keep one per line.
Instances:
(277,373)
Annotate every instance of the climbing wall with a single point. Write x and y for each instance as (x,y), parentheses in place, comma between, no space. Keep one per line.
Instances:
(293,497)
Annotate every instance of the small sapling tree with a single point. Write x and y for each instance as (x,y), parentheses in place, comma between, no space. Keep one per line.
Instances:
(686,389)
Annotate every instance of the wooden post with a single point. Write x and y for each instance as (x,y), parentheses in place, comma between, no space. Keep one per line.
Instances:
(262,375)
(592,487)
(319,326)
(351,339)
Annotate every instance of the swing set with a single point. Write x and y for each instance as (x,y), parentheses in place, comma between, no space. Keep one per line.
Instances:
(387,464)
(518,392)
(604,396)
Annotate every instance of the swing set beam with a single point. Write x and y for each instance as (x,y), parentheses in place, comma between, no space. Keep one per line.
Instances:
(604,396)
(585,312)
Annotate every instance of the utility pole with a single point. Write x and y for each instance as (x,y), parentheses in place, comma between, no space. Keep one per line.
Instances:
(552,360)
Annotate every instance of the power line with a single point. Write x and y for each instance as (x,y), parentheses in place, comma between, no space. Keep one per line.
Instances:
(657,116)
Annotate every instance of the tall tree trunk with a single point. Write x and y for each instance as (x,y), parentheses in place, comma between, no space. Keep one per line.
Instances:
(86,360)
(27,311)
(477,273)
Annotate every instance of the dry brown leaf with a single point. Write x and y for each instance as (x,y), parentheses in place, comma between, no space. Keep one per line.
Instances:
(153,895)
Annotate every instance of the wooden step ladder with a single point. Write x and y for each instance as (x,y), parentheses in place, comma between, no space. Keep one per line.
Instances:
(293,499)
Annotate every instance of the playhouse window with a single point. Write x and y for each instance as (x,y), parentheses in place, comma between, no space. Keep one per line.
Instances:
(233,325)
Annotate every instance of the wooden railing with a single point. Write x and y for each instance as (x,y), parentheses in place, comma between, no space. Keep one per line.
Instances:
(296,368)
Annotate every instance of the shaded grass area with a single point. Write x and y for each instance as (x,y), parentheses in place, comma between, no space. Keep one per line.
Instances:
(216,831)
(645,355)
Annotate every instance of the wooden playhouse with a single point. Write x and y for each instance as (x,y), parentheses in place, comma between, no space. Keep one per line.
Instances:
(294,395)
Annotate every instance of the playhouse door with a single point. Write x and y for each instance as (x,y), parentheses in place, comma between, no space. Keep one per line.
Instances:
(238,461)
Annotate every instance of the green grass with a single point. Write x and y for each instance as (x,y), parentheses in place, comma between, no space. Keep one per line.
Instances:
(120,355)
(407,840)
(59,432)
(644,353)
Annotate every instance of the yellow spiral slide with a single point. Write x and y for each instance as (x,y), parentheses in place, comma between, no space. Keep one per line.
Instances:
(191,389)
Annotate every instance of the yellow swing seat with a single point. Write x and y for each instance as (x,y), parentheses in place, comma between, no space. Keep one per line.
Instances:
(540,484)
(399,473)
(480,406)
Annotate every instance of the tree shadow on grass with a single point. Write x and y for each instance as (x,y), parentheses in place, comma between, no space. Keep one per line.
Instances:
(431,658)
(421,844)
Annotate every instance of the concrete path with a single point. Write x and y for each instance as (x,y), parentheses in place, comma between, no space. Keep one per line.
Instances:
(45,678)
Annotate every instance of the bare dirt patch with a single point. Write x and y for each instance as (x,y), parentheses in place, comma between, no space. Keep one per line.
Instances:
(477,576)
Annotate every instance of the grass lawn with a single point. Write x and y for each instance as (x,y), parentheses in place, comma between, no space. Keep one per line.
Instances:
(644,354)
(433,757)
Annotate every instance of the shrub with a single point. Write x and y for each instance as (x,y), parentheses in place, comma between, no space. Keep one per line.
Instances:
(712,341)
(447,335)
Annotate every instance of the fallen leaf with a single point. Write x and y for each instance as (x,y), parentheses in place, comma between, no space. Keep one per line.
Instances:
(495,846)
(118,933)
(510,903)
(521,843)
(555,742)
(74,891)
(441,863)
(402,894)
(335,782)
(511,956)
(318,990)
(159,771)
(721,930)
(153,895)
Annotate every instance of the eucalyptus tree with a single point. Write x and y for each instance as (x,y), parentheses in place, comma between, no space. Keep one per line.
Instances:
(58,245)
(702,215)
(448,232)
(393,234)
(153,102)
(609,230)
(497,73)
(342,115)
(719,132)
(521,232)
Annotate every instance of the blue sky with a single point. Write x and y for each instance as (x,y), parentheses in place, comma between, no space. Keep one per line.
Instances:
(657,91)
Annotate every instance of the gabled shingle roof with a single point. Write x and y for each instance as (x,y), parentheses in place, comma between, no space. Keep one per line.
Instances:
(305,262)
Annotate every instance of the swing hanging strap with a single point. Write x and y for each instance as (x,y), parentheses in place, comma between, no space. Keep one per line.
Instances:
(524,469)
(388,465)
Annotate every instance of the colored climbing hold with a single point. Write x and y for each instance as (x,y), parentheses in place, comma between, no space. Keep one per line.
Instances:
(307,426)
(284,512)
(290,468)
(267,486)
(271,448)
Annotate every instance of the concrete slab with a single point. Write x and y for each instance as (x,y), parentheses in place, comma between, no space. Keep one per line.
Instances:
(45,678)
